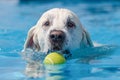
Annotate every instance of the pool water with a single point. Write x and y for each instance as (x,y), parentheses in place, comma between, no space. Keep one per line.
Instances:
(100,18)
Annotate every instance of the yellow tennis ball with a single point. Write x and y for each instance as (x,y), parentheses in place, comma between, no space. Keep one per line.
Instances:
(54,58)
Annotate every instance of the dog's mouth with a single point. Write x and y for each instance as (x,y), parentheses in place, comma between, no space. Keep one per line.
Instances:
(56,46)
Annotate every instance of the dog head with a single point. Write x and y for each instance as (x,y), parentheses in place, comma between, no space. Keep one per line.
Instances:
(57,29)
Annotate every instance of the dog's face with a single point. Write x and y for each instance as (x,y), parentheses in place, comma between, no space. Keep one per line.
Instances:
(61,29)
(57,29)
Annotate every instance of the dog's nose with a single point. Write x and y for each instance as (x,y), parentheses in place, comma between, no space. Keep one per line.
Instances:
(57,36)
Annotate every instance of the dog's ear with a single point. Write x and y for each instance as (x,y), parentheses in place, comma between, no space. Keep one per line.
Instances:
(86,41)
(32,41)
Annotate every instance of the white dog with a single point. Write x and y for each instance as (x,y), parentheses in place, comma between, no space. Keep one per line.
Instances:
(58,29)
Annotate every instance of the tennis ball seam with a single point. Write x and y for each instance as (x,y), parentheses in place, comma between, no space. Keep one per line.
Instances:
(50,60)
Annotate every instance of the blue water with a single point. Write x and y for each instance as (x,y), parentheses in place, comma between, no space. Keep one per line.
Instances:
(100,18)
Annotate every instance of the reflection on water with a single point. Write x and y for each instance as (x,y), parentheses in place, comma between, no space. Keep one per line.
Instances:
(56,72)
(85,59)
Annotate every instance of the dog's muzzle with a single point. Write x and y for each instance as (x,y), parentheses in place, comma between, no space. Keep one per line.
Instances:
(57,38)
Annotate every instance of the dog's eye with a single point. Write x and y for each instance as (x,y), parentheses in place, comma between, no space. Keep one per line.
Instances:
(70,24)
(47,23)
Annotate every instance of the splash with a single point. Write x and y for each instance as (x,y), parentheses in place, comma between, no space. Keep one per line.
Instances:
(31,56)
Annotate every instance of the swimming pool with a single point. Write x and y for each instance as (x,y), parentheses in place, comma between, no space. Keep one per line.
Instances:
(101,19)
